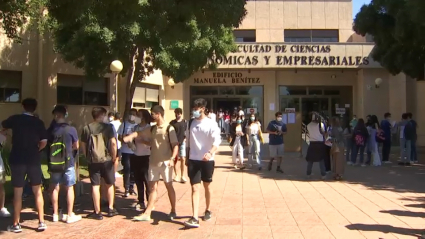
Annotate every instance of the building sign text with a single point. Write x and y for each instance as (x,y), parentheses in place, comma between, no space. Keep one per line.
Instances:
(228,78)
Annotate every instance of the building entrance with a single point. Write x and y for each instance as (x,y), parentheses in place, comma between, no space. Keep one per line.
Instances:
(226,104)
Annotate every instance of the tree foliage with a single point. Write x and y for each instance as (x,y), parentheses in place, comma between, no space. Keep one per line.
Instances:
(176,36)
(398,30)
(18,15)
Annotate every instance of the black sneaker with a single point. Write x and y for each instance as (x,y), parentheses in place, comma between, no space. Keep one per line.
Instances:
(192,223)
(14,228)
(94,215)
(112,212)
(132,192)
(279,170)
(269,167)
(207,215)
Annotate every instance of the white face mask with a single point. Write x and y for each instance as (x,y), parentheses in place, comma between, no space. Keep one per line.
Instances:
(279,119)
(137,120)
(111,119)
(132,118)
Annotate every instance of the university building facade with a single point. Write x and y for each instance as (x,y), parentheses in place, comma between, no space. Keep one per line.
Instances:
(293,56)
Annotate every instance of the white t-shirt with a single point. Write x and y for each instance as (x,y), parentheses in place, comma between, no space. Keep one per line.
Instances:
(128,130)
(241,113)
(253,128)
(202,135)
(314,132)
(212,116)
(116,124)
(141,149)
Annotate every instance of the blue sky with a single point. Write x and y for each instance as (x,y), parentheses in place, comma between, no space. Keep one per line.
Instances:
(357,4)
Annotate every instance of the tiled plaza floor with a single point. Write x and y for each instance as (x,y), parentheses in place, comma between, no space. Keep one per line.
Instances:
(374,202)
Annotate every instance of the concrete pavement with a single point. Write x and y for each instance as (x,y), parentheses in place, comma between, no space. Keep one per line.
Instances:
(373,202)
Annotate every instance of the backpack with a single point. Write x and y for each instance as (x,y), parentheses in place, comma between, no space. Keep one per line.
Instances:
(168,133)
(380,136)
(359,139)
(59,158)
(98,150)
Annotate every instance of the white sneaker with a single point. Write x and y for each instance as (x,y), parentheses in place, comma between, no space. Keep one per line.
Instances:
(4,212)
(73,218)
(117,175)
(55,217)
(363,165)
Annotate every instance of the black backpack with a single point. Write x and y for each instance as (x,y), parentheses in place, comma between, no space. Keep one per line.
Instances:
(59,157)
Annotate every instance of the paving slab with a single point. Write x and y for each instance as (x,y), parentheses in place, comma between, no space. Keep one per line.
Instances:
(372,202)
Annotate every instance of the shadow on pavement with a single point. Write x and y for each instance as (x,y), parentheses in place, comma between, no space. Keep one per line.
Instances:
(385,229)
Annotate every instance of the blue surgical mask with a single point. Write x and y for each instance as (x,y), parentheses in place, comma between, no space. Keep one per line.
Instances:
(196,114)
(239,121)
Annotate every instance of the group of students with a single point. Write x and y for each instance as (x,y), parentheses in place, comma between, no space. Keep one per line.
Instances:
(368,136)
(246,133)
(155,145)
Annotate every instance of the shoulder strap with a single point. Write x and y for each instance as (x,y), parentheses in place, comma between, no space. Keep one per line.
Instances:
(168,133)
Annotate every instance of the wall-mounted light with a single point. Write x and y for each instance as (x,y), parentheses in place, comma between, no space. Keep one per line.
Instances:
(171,83)
(378,82)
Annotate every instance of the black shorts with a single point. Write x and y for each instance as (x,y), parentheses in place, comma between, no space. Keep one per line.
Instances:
(104,170)
(200,171)
(19,171)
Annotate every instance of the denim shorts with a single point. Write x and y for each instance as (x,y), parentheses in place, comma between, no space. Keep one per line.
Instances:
(66,178)
(182,150)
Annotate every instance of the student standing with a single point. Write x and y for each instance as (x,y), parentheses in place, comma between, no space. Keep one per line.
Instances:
(126,151)
(115,120)
(255,139)
(337,149)
(3,211)
(414,155)
(276,130)
(348,135)
(386,126)
(63,137)
(316,151)
(360,137)
(29,138)
(140,160)
(239,141)
(203,142)
(180,125)
(410,135)
(164,149)
(99,146)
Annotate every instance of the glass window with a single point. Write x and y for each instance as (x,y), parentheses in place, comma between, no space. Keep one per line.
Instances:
(292,90)
(249,90)
(77,90)
(311,35)
(204,90)
(289,103)
(227,90)
(244,35)
(315,91)
(146,95)
(331,92)
(10,86)
(255,103)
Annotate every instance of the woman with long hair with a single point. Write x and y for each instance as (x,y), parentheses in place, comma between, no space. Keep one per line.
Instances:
(374,134)
(238,143)
(360,137)
(337,151)
(348,135)
(316,151)
(254,138)
(140,160)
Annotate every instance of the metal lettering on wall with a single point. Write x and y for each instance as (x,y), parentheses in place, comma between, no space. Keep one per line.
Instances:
(277,56)
(227,77)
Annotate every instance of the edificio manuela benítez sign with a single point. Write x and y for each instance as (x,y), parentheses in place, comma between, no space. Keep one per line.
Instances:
(276,55)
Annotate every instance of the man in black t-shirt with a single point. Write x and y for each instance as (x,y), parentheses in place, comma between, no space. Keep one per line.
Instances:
(180,126)
(29,138)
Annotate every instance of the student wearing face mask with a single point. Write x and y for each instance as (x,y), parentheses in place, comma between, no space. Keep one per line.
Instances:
(180,125)
(126,150)
(276,130)
(238,143)
(254,136)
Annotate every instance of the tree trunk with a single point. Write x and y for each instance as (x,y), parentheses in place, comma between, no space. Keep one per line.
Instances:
(130,85)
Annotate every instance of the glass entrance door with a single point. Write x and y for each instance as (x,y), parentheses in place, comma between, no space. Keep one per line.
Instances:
(320,105)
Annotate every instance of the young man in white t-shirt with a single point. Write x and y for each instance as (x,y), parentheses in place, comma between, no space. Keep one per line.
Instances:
(3,211)
(203,140)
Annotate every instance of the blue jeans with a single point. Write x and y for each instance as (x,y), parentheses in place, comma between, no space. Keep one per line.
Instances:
(67,178)
(408,152)
(321,165)
(254,150)
(128,177)
(348,149)
(414,155)
(356,150)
